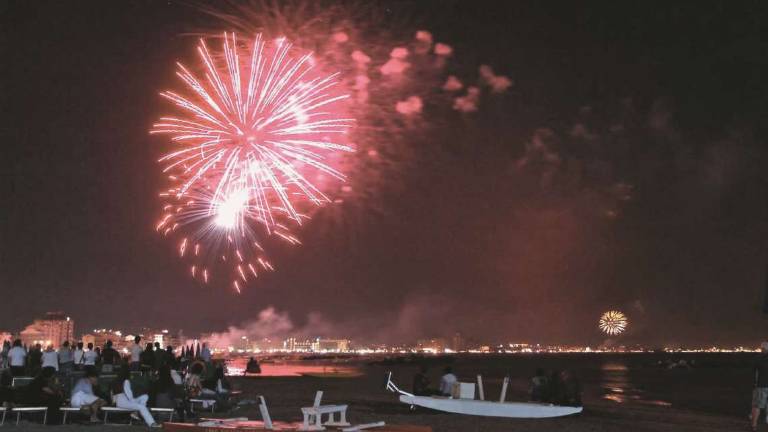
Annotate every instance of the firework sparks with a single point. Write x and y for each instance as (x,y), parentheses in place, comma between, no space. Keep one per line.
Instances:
(255,141)
(613,323)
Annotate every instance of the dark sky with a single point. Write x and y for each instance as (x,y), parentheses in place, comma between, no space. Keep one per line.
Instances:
(668,99)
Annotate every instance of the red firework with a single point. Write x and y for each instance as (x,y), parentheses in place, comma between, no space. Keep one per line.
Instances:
(256,140)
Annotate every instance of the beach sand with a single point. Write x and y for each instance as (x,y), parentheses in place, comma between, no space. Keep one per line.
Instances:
(369,402)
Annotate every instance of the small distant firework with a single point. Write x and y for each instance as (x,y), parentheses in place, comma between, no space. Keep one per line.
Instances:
(613,323)
(256,141)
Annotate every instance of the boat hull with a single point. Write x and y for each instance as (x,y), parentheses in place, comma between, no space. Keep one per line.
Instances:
(489,408)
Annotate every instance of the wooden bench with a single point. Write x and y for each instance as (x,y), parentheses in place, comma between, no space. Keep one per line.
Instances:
(314,414)
(20,410)
(110,409)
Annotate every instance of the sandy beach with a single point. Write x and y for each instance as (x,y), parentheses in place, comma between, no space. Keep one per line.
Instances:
(369,402)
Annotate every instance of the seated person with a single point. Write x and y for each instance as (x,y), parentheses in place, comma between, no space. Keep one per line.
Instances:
(539,387)
(124,398)
(165,390)
(84,398)
(421,383)
(44,390)
(447,381)
(252,366)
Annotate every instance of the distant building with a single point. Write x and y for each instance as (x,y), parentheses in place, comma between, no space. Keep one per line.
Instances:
(330,345)
(54,329)
(457,343)
(296,345)
(99,338)
(5,336)
(431,345)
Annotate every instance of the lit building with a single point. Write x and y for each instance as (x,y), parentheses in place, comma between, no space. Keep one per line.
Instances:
(99,338)
(457,343)
(330,345)
(54,329)
(293,344)
(431,345)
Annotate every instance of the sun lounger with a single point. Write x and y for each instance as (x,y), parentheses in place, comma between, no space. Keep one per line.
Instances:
(313,416)
(21,410)
(67,410)
(21,381)
(204,404)
(111,409)
(5,411)
(365,426)
(168,411)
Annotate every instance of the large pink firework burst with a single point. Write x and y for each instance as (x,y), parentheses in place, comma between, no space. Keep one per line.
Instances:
(256,141)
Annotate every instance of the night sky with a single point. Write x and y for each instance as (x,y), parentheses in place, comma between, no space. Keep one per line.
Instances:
(663,104)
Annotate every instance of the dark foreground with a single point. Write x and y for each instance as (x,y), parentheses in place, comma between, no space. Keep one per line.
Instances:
(611,404)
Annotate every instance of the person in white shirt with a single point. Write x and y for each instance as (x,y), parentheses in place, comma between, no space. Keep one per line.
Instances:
(90,357)
(124,398)
(66,358)
(83,396)
(78,356)
(447,381)
(50,358)
(136,354)
(17,357)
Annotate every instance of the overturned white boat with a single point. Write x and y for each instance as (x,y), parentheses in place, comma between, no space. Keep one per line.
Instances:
(484,407)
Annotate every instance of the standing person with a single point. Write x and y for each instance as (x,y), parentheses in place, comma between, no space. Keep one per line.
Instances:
(136,354)
(4,355)
(123,396)
(90,357)
(17,357)
(66,358)
(170,357)
(35,359)
(109,358)
(447,381)
(78,356)
(205,354)
(84,397)
(147,358)
(51,358)
(760,391)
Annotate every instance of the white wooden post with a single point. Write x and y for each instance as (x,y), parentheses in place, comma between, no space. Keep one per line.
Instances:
(480,391)
(504,390)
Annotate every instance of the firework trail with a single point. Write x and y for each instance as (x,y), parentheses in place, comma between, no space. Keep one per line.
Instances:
(256,143)
(613,323)
(397,77)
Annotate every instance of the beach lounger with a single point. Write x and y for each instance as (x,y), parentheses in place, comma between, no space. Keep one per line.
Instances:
(313,416)
(168,411)
(22,410)
(21,381)
(67,410)
(365,426)
(265,413)
(110,409)
(204,404)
